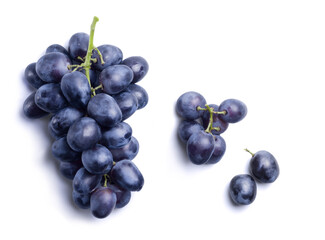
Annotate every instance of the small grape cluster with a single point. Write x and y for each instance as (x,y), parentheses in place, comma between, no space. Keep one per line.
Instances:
(89,92)
(202,125)
(263,167)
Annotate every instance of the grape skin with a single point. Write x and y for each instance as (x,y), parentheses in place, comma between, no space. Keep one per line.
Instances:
(52,66)
(111,55)
(31,76)
(200,147)
(140,93)
(187,103)
(49,98)
(115,78)
(83,134)
(242,189)
(139,67)
(127,176)
(78,45)
(117,136)
(126,152)
(102,202)
(104,109)
(127,102)
(31,110)
(85,182)
(186,128)
(76,89)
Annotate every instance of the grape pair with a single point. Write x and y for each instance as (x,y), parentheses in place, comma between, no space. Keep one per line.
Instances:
(263,167)
(88,93)
(202,125)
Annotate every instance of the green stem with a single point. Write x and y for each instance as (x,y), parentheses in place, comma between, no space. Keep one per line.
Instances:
(106,180)
(90,49)
(209,128)
(249,152)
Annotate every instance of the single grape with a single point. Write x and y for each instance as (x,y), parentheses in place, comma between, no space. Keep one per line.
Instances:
(242,189)
(117,136)
(104,109)
(111,55)
(31,110)
(97,160)
(78,45)
(69,169)
(126,175)
(139,67)
(235,110)
(52,66)
(76,89)
(219,150)
(126,152)
(123,197)
(57,48)
(83,134)
(140,93)
(200,147)
(81,200)
(49,98)
(31,76)
(63,152)
(63,119)
(102,202)
(264,167)
(93,76)
(85,182)
(115,78)
(127,102)
(187,104)
(187,127)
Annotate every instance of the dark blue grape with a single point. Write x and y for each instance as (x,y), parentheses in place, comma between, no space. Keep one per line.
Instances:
(264,167)
(117,136)
(63,152)
(187,103)
(31,76)
(76,89)
(219,150)
(127,102)
(97,160)
(104,109)
(69,169)
(57,48)
(126,175)
(187,127)
(78,45)
(140,93)
(93,76)
(49,97)
(242,189)
(126,152)
(83,134)
(235,110)
(102,202)
(63,119)
(81,200)
(85,182)
(111,55)
(31,110)
(139,67)
(200,147)
(115,78)
(52,66)
(123,197)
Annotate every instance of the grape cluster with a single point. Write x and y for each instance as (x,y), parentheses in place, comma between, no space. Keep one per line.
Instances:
(89,92)
(263,167)
(202,125)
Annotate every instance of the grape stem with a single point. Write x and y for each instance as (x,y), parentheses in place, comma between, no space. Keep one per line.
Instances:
(211,111)
(249,152)
(87,59)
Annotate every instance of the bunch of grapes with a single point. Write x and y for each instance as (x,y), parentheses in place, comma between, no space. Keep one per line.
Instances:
(89,92)
(202,125)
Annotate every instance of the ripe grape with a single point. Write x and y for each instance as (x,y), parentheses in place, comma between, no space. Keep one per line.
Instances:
(187,104)
(139,67)
(31,110)
(235,110)
(111,55)
(242,189)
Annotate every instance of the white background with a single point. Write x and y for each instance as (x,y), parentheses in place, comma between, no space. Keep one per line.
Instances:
(269,54)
